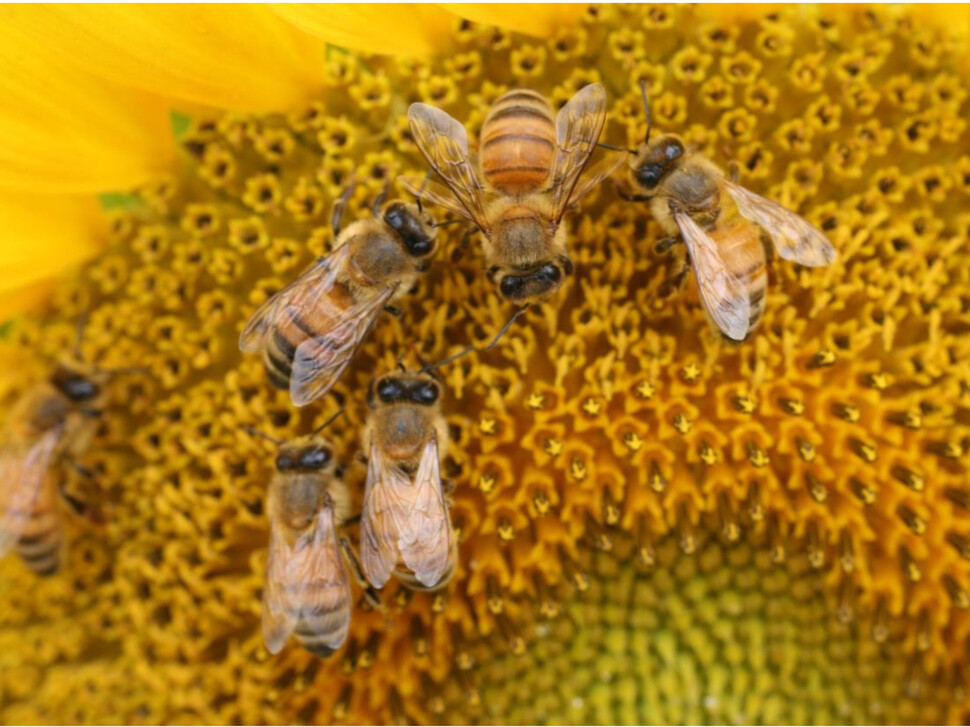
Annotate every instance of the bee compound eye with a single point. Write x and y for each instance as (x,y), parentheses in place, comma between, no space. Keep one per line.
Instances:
(649,175)
(315,458)
(389,390)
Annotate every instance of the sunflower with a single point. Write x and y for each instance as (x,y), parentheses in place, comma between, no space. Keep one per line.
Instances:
(654,525)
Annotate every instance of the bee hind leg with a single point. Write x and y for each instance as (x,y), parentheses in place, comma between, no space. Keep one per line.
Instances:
(675,282)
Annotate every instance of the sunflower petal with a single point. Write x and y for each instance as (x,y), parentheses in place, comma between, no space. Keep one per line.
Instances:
(237,56)
(43,237)
(537,19)
(65,130)
(404,29)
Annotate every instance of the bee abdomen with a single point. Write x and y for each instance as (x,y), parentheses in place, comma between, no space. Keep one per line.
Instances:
(40,546)
(518,142)
(285,339)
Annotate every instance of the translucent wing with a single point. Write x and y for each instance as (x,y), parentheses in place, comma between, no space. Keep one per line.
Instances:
(578,127)
(278,620)
(385,510)
(426,539)
(306,580)
(23,467)
(437,194)
(319,361)
(724,295)
(794,238)
(594,176)
(302,293)
(444,143)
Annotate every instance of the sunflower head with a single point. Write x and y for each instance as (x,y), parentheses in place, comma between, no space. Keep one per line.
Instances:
(654,524)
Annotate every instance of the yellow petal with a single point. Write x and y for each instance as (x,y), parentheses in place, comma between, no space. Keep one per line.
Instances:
(44,236)
(235,56)
(539,19)
(65,130)
(401,29)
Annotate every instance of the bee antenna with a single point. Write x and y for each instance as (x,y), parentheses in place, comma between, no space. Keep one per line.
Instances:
(470,349)
(381,198)
(417,195)
(646,109)
(256,433)
(329,421)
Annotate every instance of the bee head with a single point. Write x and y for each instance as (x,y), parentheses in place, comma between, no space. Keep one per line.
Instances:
(305,458)
(419,389)
(415,227)
(74,385)
(537,283)
(656,159)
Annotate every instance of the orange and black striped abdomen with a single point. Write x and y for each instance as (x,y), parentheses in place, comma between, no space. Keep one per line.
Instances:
(518,143)
(296,326)
(39,543)
(739,244)
(319,626)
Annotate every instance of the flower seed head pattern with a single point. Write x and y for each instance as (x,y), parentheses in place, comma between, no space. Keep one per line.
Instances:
(655,524)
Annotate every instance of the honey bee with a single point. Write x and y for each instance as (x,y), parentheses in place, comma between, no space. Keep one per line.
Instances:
(405,525)
(309,332)
(307,591)
(534,171)
(721,222)
(51,421)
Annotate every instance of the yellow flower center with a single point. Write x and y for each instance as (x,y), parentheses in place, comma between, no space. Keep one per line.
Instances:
(656,525)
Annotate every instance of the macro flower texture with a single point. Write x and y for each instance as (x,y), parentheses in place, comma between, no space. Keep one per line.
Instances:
(655,524)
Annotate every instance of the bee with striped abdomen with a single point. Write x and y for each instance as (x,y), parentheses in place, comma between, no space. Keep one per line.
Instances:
(307,591)
(309,332)
(51,421)
(721,222)
(534,168)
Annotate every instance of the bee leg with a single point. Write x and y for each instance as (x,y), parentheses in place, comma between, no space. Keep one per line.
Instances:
(338,208)
(81,469)
(665,244)
(393,310)
(629,196)
(353,562)
(734,170)
(352,520)
(676,281)
(361,457)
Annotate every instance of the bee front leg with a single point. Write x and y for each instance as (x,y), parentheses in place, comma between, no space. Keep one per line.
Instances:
(626,194)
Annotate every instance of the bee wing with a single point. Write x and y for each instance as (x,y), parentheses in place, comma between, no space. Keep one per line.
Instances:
(794,238)
(278,620)
(724,295)
(444,143)
(306,580)
(319,361)
(386,505)
(578,127)
(426,539)
(305,291)
(437,194)
(23,467)
(595,175)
